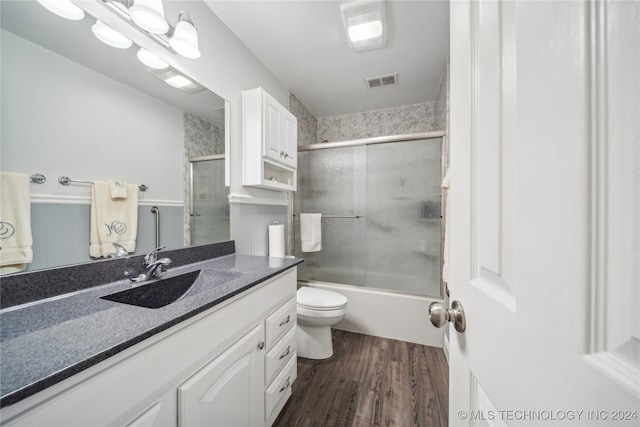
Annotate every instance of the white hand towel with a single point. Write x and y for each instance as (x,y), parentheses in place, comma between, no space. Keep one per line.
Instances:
(118,189)
(446,184)
(15,222)
(311,232)
(112,220)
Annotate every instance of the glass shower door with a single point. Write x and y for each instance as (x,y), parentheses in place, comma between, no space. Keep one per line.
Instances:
(331,182)
(393,190)
(402,247)
(209,201)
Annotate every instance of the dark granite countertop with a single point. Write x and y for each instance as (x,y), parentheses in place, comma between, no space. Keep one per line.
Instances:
(46,341)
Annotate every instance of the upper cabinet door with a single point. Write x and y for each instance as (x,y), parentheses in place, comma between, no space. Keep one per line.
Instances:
(290,139)
(272,142)
(269,141)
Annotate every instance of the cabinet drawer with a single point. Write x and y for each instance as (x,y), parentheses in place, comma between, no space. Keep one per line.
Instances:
(280,322)
(279,391)
(280,354)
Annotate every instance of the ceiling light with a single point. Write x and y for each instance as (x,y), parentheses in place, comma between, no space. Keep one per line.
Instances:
(368,30)
(151,60)
(109,36)
(149,15)
(177,80)
(63,8)
(185,38)
(364,22)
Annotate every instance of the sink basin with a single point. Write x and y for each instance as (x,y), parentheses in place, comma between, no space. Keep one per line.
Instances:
(158,293)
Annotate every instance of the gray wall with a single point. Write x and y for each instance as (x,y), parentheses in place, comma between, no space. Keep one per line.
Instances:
(61,232)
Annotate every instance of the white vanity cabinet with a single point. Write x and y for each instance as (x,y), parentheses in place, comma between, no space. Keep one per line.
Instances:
(208,370)
(269,142)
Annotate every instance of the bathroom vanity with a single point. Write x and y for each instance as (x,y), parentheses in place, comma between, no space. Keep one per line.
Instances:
(225,354)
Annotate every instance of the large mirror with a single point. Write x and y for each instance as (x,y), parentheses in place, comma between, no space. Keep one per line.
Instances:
(73,106)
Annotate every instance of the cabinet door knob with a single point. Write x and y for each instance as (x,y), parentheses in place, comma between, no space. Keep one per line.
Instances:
(282,154)
(261,345)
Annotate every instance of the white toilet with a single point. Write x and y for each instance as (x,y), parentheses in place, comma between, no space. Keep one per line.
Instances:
(318,310)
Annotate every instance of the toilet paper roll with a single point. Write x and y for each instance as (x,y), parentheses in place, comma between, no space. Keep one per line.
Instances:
(276,240)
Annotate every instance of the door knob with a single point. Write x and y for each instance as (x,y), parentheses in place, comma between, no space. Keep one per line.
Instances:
(440,315)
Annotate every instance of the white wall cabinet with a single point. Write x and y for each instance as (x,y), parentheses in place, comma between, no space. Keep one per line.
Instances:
(208,370)
(269,142)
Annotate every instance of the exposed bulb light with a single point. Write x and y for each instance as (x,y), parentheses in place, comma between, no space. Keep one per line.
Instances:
(366,31)
(149,15)
(185,38)
(151,60)
(109,36)
(63,8)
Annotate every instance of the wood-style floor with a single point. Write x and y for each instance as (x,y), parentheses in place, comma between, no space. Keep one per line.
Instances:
(370,381)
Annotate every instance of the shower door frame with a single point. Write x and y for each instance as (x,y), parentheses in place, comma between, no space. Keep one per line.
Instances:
(382,140)
(191,161)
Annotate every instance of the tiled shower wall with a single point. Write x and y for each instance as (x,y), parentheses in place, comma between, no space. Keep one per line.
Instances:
(307,123)
(423,117)
(389,121)
(442,108)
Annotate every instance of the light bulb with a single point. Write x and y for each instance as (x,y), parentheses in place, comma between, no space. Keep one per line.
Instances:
(185,38)
(63,8)
(151,60)
(109,36)
(149,15)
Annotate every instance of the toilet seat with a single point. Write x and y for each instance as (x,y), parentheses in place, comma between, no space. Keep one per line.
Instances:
(314,299)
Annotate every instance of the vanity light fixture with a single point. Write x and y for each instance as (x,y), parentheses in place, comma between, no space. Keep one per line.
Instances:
(151,60)
(63,8)
(109,36)
(149,15)
(146,15)
(365,24)
(185,37)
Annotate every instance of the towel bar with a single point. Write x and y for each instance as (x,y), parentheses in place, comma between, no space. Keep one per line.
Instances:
(65,180)
(338,216)
(38,178)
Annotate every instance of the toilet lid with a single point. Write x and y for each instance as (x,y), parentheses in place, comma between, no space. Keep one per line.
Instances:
(320,299)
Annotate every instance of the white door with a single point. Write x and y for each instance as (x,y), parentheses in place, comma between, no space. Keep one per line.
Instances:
(545,212)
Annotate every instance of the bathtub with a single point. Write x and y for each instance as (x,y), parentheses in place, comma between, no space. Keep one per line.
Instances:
(385,314)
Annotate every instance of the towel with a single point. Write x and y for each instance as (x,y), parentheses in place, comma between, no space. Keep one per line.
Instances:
(118,189)
(311,232)
(112,220)
(15,222)
(446,184)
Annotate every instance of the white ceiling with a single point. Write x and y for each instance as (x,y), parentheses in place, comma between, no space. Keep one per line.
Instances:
(305,45)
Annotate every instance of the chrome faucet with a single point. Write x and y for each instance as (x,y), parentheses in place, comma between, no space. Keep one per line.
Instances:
(120,251)
(154,267)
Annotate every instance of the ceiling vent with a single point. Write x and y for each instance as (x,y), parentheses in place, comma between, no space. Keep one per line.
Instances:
(379,81)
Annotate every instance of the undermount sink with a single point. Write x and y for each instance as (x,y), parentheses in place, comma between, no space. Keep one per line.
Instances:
(158,293)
